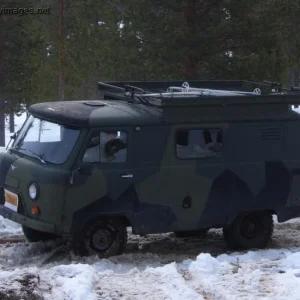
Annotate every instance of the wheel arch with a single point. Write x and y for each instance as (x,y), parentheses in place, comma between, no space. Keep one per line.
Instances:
(235,236)
(123,218)
(232,217)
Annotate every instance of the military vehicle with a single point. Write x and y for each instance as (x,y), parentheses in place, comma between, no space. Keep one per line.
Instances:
(157,157)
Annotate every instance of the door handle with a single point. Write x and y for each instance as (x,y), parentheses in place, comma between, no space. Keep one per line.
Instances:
(127,175)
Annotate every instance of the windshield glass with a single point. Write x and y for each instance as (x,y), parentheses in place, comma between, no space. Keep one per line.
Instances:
(46,141)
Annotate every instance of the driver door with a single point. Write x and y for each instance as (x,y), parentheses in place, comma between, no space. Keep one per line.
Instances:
(102,177)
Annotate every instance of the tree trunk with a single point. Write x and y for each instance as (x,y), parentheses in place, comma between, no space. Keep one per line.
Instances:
(12,122)
(61,88)
(190,61)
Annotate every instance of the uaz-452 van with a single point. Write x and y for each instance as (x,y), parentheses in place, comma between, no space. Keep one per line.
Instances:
(180,160)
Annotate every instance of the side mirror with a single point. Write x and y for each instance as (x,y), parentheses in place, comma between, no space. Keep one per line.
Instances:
(13,138)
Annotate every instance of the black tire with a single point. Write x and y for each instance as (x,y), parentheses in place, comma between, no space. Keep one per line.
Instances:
(104,237)
(252,230)
(33,235)
(202,233)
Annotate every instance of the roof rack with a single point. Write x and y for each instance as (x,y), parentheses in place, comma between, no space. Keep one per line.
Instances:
(169,93)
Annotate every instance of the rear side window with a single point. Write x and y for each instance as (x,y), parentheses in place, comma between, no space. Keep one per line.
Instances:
(199,143)
(107,147)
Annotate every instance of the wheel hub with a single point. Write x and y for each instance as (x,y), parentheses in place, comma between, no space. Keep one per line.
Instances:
(251,227)
(102,239)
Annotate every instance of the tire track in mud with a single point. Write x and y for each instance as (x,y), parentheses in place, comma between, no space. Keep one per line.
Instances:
(167,247)
(199,284)
(152,283)
(285,235)
(11,240)
(17,252)
(201,290)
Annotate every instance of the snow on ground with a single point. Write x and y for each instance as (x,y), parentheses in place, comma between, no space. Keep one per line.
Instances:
(9,228)
(153,267)
(156,267)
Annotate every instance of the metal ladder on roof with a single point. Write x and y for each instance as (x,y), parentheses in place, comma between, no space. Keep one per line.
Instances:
(186,89)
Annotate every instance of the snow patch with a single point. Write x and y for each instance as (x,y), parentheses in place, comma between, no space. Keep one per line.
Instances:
(292,261)
(258,256)
(172,283)
(71,282)
(9,228)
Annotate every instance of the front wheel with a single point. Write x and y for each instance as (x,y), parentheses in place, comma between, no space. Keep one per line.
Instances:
(33,235)
(252,230)
(104,237)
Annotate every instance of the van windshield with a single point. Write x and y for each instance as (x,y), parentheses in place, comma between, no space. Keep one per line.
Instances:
(46,141)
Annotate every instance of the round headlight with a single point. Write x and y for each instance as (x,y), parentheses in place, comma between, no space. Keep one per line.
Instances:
(33,191)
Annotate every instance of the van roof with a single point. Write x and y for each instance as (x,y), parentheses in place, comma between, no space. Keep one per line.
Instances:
(154,103)
(114,112)
(93,113)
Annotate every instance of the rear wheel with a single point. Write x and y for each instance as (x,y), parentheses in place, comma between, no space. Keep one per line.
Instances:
(253,230)
(33,235)
(105,238)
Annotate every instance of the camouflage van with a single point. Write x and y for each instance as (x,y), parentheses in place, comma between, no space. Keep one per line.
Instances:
(157,157)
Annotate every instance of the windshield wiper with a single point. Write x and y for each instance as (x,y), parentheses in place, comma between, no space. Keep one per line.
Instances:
(32,152)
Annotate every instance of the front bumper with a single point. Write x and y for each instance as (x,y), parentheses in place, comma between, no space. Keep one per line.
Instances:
(31,223)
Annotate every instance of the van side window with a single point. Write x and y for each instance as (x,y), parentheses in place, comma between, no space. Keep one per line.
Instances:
(113,146)
(197,143)
(107,146)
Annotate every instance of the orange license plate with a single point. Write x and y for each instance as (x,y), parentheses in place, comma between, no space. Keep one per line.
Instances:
(11,200)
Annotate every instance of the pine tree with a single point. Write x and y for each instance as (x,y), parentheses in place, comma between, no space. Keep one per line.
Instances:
(203,39)
(140,39)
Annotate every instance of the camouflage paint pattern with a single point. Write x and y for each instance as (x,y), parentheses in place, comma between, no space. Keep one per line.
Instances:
(259,170)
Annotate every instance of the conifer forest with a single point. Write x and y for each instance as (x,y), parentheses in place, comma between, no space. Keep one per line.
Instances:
(59,55)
